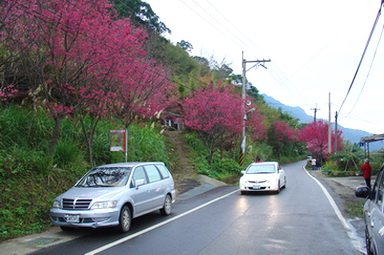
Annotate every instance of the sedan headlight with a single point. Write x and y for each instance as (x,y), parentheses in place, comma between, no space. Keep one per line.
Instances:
(104,204)
(56,204)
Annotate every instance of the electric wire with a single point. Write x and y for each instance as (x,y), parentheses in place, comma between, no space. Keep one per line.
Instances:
(362,57)
(236,29)
(217,27)
(368,73)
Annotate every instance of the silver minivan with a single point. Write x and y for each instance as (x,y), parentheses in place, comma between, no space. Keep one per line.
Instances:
(373,214)
(114,194)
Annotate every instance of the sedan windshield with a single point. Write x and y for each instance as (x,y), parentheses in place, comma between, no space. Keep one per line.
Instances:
(261,169)
(105,177)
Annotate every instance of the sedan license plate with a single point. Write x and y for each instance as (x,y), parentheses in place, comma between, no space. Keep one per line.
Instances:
(256,186)
(72,218)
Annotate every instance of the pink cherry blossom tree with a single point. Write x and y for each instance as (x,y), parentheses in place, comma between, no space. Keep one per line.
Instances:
(215,113)
(145,91)
(315,136)
(256,126)
(82,56)
(282,137)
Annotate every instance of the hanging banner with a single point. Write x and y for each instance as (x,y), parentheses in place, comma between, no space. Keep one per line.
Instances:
(118,140)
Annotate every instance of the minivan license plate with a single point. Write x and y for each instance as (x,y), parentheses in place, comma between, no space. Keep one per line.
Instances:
(72,218)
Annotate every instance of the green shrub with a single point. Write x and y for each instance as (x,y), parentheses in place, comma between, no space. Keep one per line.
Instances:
(225,165)
(67,154)
(196,144)
(24,128)
(146,144)
(22,160)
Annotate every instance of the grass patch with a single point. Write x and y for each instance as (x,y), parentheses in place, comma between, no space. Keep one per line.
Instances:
(355,208)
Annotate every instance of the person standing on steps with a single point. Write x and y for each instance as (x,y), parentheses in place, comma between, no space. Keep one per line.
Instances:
(367,171)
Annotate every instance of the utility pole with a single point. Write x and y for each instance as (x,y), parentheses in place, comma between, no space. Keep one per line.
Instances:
(315,111)
(329,125)
(243,96)
(335,133)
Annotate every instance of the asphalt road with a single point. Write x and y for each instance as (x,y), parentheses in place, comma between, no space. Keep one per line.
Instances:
(299,220)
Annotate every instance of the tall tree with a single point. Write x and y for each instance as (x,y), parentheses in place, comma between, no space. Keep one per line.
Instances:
(256,126)
(144,91)
(141,14)
(215,113)
(79,52)
(282,138)
(315,135)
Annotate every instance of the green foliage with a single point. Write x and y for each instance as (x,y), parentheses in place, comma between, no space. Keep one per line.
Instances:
(22,127)
(26,211)
(261,150)
(140,13)
(68,153)
(194,142)
(223,167)
(101,144)
(331,168)
(348,162)
(18,160)
(355,208)
(146,144)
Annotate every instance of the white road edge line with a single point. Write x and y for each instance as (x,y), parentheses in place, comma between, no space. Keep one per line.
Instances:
(117,242)
(354,238)
(331,201)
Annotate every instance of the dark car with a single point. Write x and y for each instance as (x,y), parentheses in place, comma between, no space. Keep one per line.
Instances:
(374,214)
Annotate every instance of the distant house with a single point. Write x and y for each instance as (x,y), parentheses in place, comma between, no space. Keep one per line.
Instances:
(172,117)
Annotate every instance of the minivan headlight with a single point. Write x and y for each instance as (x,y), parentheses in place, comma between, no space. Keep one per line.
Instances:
(56,204)
(104,204)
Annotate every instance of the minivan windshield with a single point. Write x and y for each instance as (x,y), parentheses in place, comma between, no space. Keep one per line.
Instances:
(105,177)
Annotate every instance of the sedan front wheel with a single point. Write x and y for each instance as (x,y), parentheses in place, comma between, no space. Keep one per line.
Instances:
(278,188)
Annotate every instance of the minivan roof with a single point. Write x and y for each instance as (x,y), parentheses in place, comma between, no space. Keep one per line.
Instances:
(130,164)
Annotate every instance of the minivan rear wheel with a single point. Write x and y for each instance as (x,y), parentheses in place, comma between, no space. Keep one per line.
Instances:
(167,207)
(125,219)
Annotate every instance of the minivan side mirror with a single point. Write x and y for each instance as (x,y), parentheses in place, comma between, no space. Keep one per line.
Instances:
(139,182)
(362,191)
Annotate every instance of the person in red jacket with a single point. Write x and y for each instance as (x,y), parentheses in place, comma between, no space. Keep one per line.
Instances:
(367,170)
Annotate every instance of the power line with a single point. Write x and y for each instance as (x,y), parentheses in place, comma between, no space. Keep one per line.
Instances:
(363,55)
(218,26)
(369,70)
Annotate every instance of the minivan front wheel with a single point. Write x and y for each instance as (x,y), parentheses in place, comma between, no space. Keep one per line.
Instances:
(167,207)
(125,219)
(368,243)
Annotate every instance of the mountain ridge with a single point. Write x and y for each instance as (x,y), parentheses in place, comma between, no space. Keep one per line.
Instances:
(349,134)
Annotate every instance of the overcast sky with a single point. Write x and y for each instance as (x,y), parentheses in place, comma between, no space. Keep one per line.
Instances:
(314,47)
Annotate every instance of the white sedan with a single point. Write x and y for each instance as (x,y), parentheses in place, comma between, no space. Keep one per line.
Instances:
(263,176)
